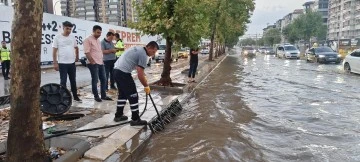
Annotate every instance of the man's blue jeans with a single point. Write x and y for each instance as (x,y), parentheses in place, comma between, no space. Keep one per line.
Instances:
(98,73)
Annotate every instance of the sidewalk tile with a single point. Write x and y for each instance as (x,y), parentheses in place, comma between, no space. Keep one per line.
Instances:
(104,150)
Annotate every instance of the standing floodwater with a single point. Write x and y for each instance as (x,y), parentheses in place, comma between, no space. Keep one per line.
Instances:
(266,109)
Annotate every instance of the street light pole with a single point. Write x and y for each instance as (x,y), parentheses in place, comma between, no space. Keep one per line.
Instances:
(55,6)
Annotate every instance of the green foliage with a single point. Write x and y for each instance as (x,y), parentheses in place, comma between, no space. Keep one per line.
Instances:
(247,42)
(272,36)
(183,21)
(305,27)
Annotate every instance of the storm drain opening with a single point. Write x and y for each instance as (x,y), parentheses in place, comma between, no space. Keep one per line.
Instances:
(166,116)
(66,117)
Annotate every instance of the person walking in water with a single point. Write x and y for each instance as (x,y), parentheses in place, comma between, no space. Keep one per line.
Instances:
(194,60)
(65,54)
(5,60)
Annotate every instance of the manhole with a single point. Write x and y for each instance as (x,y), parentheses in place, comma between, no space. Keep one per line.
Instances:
(55,99)
(65,117)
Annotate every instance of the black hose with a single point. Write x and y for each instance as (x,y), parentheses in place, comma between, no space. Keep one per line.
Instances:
(103,127)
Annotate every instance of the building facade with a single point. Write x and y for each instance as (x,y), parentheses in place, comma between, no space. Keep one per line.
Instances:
(322,6)
(115,12)
(309,6)
(344,19)
(47,5)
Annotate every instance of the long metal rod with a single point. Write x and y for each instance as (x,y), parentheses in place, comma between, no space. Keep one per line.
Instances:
(157,112)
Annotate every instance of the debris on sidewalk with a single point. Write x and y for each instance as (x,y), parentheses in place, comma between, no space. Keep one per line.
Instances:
(56,152)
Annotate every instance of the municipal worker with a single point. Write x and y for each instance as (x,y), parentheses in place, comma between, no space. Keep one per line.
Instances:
(119,45)
(134,58)
(5,60)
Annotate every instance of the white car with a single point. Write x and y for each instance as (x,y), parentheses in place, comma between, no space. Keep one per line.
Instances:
(204,51)
(352,62)
(287,51)
(160,54)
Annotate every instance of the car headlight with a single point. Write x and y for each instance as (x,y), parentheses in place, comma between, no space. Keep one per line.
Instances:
(287,53)
(245,52)
(254,51)
(298,52)
(321,56)
(339,55)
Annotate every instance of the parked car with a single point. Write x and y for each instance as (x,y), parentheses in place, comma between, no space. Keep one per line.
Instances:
(160,54)
(352,62)
(204,51)
(184,53)
(322,55)
(287,51)
(248,51)
(262,50)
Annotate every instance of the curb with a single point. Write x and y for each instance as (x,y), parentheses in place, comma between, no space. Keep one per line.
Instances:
(134,154)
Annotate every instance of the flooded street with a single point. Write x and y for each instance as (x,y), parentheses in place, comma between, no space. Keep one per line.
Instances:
(266,109)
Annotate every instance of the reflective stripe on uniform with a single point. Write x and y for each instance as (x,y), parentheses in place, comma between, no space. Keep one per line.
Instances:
(5,54)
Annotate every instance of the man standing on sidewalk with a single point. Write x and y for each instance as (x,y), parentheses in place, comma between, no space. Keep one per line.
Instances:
(93,52)
(65,54)
(134,58)
(109,51)
(119,46)
(5,60)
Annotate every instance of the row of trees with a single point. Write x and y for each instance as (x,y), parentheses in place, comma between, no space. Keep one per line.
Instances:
(186,22)
(272,36)
(304,27)
(182,22)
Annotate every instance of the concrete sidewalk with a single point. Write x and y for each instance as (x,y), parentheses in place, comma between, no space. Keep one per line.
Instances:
(122,143)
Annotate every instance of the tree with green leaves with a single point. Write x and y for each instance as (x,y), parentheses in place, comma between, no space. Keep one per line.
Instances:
(290,33)
(248,42)
(180,22)
(260,42)
(228,19)
(305,27)
(272,36)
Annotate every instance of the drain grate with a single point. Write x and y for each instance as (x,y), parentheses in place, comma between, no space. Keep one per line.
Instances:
(167,115)
(4,100)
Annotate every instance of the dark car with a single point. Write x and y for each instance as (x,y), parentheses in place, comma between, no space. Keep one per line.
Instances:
(269,51)
(322,55)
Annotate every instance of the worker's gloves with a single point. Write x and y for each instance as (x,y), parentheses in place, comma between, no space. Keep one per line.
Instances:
(147,90)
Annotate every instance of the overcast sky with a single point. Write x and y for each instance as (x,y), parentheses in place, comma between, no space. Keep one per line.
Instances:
(269,11)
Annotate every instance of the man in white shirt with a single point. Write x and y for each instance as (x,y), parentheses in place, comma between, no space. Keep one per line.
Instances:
(65,54)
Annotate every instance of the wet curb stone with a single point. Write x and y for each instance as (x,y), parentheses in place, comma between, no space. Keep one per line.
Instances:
(75,147)
(188,90)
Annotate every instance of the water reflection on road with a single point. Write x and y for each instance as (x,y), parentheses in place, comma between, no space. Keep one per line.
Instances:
(266,109)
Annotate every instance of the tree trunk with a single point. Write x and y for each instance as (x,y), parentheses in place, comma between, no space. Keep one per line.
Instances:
(213,30)
(165,75)
(25,137)
(212,42)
